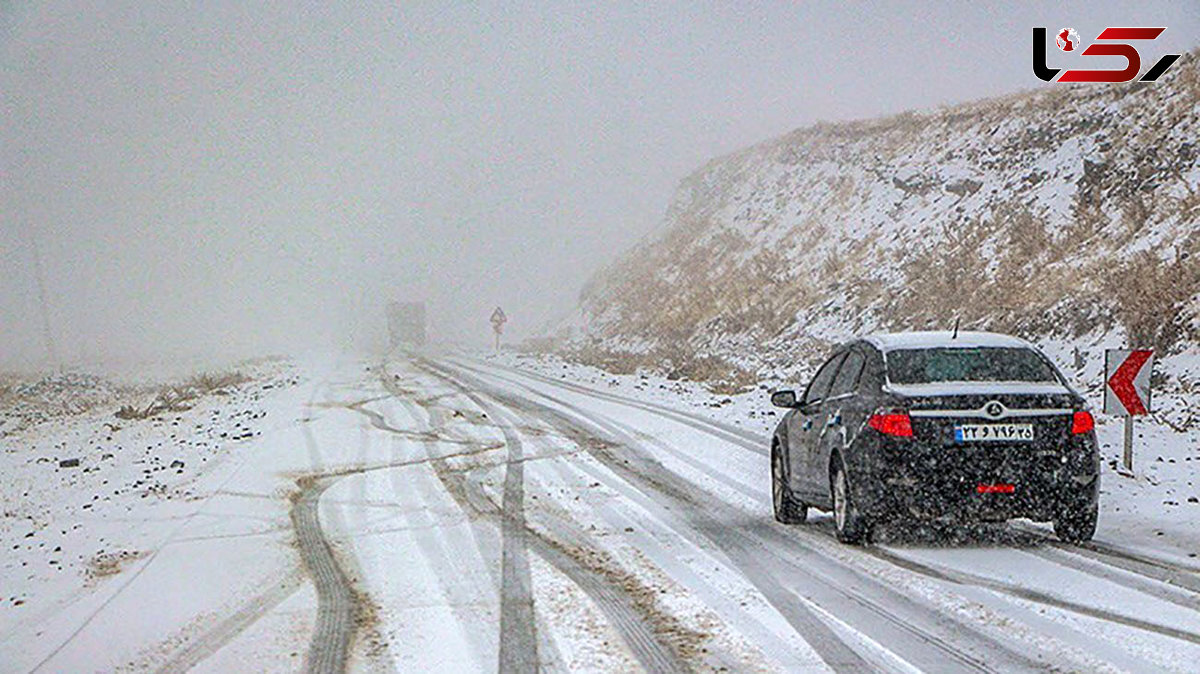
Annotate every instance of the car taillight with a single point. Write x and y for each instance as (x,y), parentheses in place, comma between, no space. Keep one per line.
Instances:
(997,488)
(1083,422)
(892,423)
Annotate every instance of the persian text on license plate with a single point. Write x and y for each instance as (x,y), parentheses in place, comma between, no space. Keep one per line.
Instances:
(993,433)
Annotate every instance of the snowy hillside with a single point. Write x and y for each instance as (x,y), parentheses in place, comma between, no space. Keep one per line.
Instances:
(1069,213)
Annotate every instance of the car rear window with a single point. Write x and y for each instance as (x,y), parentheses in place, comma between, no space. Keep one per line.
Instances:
(927,366)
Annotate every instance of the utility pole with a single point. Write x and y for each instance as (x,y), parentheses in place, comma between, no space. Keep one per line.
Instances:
(11,178)
(40,277)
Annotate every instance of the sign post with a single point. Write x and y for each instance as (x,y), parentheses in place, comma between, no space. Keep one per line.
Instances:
(1127,389)
(498,320)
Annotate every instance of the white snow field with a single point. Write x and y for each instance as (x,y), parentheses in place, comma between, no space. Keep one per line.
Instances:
(448,512)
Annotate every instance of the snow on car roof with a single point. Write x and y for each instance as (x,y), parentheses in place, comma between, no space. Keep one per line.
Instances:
(942,339)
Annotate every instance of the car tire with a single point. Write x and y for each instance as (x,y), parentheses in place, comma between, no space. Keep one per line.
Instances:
(851,525)
(788,508)
(1077,525)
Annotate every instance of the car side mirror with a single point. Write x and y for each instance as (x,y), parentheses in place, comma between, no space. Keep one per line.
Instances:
(784,398)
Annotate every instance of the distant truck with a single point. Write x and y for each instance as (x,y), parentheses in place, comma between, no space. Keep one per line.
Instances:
(406,324)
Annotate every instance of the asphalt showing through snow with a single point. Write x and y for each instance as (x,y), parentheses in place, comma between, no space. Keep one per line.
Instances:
(518,626)
(335,600)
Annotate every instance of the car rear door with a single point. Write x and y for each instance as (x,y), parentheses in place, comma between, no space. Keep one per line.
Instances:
(805,426)
(842,414)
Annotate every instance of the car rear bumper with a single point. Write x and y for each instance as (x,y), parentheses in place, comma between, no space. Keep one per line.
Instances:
(977,483)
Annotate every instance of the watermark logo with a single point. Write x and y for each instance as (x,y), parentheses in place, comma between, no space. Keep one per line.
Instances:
(1067,39)
(1110,42)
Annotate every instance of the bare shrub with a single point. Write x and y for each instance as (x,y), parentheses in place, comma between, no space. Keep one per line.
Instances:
(1150,296)
(209,382)
(1187,206)
(1088,202)
(718,374)
(617,362)
(1187,75)
(541,345)
(7,383)
(944,281)
(1135,214)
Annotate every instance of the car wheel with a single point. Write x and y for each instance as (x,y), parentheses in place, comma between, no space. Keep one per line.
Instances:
(788,509)
(851,525)
(1077,525)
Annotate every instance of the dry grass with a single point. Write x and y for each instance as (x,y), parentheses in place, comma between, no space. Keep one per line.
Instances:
(1150,295)
(717,374)
(105,564)
(181,397)
(28,400)
(8,383)
(541,345)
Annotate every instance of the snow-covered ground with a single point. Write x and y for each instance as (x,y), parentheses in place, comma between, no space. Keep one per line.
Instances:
(92,502)
(457,513)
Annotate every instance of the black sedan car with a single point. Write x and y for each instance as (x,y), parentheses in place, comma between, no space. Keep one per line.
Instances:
(961,427)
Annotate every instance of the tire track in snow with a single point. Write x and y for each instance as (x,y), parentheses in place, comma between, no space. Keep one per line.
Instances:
(1159,588)
(739,436)
(233,625)
(1113,551)
(1184,580)
(338,604)
(449,549)
(1029,594)
(482,535)
(616,607)
(329,647)
(747,553)
(836,653)
(518,625)
(619,608)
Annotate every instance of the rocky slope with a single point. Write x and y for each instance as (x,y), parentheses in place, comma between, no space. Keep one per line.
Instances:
(1069,213)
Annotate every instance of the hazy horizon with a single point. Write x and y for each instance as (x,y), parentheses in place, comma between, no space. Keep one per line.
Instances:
(234,181)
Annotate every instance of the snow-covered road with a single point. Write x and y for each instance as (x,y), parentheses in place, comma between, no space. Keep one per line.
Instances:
(455,514)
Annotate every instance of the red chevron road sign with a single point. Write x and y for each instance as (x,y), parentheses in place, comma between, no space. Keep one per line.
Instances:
(1127,381)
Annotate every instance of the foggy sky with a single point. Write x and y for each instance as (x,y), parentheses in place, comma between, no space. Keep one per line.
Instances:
(216,178)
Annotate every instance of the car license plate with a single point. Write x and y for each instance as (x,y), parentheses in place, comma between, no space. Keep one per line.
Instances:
(993,433)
